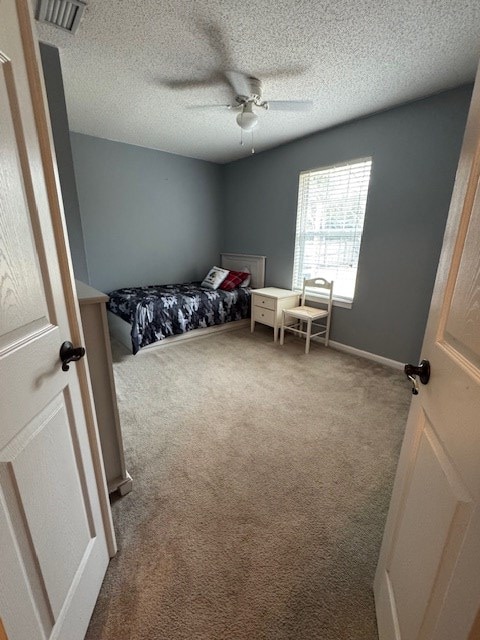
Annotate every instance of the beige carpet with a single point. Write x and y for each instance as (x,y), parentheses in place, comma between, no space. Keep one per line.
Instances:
(261,483)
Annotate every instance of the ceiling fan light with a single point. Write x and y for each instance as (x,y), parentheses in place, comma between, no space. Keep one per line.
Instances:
(247,120)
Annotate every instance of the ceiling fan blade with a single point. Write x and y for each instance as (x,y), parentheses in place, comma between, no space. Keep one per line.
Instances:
(216,39)
(212,106)
(239,82)
(192,83)
(289,105)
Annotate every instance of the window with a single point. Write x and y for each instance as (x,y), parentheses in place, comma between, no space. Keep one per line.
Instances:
(330,216)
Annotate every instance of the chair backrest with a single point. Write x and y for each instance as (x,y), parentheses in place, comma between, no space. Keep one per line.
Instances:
(319,283)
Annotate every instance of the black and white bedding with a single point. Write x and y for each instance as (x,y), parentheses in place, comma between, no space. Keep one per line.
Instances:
(159,311)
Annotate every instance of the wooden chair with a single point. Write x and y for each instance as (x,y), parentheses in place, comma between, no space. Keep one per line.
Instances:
(293,319)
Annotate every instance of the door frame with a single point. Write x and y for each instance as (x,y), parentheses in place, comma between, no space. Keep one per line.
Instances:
(463,196)
(45,139)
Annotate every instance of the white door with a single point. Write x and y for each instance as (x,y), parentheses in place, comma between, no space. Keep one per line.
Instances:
(55,525)
(427,584)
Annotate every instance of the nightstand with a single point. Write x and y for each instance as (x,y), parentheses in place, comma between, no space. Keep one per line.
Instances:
(268,304)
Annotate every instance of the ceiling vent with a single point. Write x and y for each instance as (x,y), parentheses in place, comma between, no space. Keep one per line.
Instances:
(63,14)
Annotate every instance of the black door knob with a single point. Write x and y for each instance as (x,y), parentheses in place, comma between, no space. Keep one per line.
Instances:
(422,371)
(69,353)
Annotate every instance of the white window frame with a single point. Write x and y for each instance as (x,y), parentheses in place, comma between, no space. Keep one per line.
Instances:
(340,301)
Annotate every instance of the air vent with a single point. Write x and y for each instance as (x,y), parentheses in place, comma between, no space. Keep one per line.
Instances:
(63,14)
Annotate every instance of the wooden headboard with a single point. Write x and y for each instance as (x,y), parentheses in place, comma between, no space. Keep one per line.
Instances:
(241,262)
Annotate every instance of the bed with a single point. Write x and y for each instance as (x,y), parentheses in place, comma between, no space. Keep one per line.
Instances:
(151,316)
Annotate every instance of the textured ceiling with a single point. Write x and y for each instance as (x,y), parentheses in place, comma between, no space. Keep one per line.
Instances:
(351,57)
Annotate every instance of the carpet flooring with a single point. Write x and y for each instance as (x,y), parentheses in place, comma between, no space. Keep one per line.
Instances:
(261,483)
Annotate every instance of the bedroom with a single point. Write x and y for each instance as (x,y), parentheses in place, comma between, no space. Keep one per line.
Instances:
(191,210)
(134,213)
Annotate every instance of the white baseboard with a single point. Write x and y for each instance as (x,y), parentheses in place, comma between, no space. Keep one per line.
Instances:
(366,354)
(120,330)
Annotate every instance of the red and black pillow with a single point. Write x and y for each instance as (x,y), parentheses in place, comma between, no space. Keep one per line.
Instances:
(234,279)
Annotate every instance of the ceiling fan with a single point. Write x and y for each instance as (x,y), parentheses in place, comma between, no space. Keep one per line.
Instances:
(247,89)
(248,94)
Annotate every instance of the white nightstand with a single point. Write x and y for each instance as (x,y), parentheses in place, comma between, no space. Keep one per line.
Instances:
(268,304)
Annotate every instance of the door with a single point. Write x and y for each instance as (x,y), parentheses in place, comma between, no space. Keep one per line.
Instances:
(55,524)
(427,584)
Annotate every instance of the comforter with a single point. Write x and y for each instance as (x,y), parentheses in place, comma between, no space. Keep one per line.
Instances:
(158,311)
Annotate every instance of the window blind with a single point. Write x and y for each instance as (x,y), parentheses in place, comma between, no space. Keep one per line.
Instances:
(330,218)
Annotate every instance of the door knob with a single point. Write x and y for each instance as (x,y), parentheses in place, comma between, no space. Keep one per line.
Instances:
(69,353)
(422,371)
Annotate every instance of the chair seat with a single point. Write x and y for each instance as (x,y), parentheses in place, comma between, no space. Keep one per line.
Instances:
(306,313)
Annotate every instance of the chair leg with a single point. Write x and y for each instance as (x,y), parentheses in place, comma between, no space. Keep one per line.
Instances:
(282,330)
(309,332)
(327,332)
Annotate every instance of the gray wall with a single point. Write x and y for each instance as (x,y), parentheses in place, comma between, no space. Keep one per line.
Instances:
(415,151)
(148,216)
(52,72)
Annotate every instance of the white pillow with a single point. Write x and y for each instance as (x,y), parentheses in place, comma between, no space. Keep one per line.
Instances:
(214,278)
(246,282)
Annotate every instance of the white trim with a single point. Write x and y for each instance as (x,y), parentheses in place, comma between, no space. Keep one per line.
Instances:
(337,302)
(366,354)
(120,330)
(343,304)
(336,165)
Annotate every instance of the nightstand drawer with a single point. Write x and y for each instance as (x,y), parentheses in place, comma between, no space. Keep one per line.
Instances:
(263,301)
(265,316)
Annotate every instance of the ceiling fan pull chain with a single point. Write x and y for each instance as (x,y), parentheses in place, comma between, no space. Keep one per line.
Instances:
(253,148)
